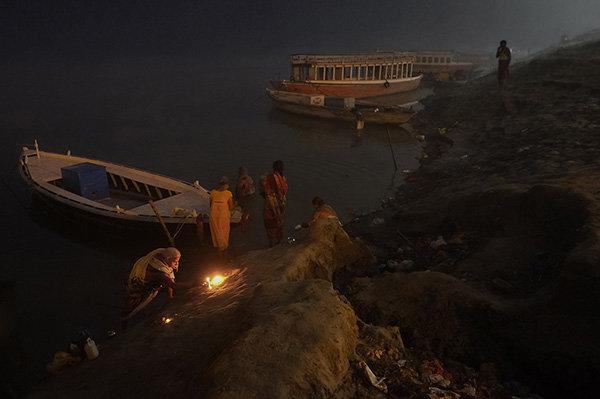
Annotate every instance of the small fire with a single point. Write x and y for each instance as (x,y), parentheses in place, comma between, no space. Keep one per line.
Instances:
(167,320)
(215,281)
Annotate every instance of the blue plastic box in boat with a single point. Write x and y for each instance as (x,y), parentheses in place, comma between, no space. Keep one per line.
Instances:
(86,179)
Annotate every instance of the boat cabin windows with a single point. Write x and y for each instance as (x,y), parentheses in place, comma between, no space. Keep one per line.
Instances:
(447,60)
(352,67)
(321,73)
(347,72)
(329,73)
(370,70)
(338,73)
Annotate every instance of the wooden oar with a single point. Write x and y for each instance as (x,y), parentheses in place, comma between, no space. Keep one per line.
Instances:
(162,224)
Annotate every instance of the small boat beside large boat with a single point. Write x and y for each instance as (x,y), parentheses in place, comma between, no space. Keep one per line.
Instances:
(346,109)
(115,196)
(351,75)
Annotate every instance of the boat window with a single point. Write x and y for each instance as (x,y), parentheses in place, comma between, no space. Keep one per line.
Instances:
(347,72)
(430,60)
(355,73)
(304,71)
(395,71)
(436,60)
(410,70)
(370,72)
(377,72)
(389,69)
(329,73)
(363,72)
(338,73)
(404,69)
(321,73)
(447,60)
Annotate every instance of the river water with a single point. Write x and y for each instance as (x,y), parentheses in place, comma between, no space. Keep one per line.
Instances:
(178,118)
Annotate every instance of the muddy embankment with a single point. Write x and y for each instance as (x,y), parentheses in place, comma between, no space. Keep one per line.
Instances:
(276,328)
(511,182)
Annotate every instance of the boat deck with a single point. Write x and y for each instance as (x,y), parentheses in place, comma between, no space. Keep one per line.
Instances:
(169,195)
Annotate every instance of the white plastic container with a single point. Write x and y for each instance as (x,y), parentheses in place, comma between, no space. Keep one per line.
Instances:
(90,348)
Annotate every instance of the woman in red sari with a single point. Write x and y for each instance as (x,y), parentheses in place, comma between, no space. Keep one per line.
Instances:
(275,190)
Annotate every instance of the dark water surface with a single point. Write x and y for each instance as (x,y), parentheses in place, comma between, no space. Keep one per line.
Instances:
(177,118)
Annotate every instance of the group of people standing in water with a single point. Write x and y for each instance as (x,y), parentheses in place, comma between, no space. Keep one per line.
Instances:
(273,188)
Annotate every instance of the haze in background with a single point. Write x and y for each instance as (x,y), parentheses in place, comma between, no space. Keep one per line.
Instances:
(214,31)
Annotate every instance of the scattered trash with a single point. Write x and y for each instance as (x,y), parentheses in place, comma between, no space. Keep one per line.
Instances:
(439,380)
(523,149)
(62,360)
(420,137)
(111,333)
(377,383)
(291,240)
(468,390)
(406,171)
(436,393)
(90,348)
(297,227)
(464,157)
(401,363)
(377,221)
(438,243)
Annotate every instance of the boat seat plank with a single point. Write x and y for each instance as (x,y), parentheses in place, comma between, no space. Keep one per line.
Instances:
(189,200)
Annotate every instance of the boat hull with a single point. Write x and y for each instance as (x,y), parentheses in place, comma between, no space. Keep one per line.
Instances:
(395,117)
(349,89)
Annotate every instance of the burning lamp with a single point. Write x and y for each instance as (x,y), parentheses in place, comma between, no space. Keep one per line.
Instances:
(167,320)
(215,281)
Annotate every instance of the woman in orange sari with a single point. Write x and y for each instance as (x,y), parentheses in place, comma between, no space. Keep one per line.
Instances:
(221,204)
(275,190)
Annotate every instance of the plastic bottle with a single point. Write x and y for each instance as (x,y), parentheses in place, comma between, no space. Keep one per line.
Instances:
(90,348)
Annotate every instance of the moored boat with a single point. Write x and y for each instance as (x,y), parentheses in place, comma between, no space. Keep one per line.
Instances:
(447,65)
(346,109)
(351,75)
(115,196)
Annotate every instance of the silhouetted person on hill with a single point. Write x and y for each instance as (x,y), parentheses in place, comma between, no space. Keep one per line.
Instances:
(503,54)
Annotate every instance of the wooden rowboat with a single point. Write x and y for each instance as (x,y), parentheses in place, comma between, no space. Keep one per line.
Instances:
(321,107)
(137,200)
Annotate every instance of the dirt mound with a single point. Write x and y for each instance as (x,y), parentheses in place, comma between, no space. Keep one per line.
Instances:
(436,313)
(510,180)
(275,328)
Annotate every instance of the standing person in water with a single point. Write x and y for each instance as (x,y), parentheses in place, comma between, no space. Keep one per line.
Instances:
(275,188)
(221,204)
(245,184)
(504,56)
(244,190)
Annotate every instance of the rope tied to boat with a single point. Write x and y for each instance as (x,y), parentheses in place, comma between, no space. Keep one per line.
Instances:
(386,84)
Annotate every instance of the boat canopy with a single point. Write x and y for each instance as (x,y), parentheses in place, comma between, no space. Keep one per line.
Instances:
(358,67)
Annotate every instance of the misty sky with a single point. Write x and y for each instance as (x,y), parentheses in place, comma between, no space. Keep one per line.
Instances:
(53,29)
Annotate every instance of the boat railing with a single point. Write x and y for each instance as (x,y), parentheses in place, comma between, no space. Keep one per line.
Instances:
(352,58)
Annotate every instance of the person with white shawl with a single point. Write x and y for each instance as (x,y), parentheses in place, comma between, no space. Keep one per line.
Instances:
(149,275)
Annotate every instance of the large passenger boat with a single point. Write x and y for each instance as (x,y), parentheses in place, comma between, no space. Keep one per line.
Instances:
(351,75)
(448,65)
